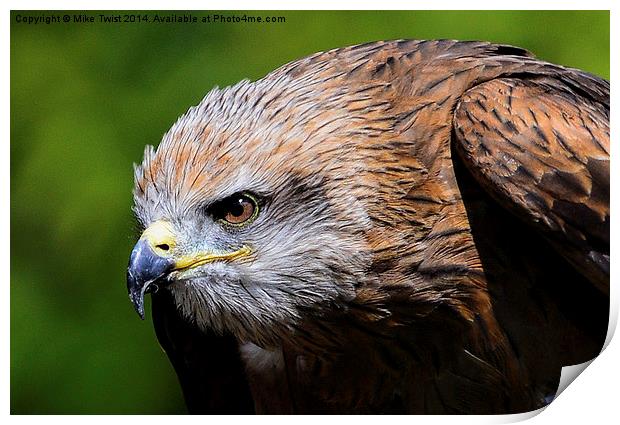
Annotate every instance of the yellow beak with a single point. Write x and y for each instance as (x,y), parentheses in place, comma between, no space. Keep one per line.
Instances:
(162,241)
(153,260)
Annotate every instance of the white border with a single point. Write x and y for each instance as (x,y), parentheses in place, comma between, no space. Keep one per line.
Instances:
(314,5)
(592,398)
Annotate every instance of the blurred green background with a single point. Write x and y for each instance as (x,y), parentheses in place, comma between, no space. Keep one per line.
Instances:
(86,98)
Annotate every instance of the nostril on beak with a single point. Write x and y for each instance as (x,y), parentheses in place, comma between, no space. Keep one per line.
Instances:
(160,237)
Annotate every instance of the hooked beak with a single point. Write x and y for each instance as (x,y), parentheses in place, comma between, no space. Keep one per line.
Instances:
(145,268)
(153,260)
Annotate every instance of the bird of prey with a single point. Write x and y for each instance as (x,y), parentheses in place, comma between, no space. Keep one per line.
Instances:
(394,227)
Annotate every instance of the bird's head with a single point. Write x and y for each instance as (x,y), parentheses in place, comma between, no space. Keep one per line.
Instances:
(255,209)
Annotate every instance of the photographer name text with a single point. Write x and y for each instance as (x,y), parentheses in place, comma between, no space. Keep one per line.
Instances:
(184,18)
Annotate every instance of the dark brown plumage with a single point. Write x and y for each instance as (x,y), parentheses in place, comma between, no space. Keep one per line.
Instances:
(466,186)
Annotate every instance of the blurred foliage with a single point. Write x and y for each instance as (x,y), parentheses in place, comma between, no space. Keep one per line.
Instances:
(86,98)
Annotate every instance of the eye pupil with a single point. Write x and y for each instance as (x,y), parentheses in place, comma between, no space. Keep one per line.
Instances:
(236,208)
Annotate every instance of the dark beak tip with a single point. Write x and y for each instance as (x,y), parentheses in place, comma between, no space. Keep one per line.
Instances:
(145,267)
(138,305)
(137,299)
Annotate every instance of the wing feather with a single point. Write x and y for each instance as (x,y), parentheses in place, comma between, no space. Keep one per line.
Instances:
(540,147)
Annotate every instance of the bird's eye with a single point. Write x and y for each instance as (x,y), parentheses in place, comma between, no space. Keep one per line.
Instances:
(236,210)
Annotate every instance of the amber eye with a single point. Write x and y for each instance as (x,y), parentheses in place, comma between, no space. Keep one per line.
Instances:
(236,210)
